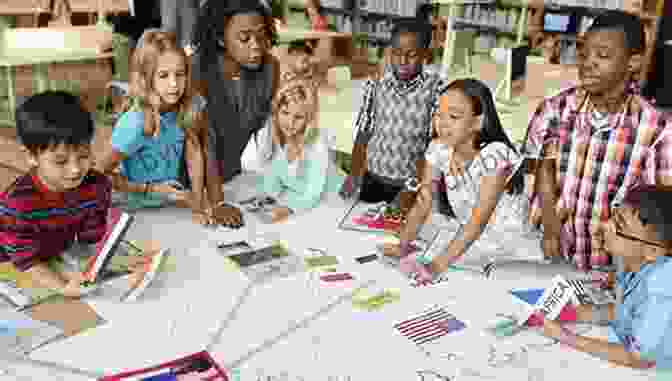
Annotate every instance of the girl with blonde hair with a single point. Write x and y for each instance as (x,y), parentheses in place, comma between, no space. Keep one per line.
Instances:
(157,140)
(294,152)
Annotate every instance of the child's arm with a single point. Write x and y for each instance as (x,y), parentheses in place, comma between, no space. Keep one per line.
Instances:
(364,125)
(492,187)
(45,277)
(422,206)
(614,352)
(193,151)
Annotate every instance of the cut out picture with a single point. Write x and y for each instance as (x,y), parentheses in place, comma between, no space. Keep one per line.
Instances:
(196,367)
(256,257)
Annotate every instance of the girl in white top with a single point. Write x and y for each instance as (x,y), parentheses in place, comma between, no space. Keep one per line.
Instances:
(294,154)
(484,183)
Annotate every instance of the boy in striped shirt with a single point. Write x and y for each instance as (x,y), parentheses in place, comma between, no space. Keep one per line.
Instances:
(62,200)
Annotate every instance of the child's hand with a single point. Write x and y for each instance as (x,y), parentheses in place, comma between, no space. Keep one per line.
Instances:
(280,214)
(202,218)
(170,191)
(391,249)
(73,289)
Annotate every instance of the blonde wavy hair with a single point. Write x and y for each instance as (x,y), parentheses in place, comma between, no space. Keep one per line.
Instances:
(142,95)
(296,91)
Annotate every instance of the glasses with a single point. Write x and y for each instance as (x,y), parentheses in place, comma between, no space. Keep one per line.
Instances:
(640,240)
(619,233)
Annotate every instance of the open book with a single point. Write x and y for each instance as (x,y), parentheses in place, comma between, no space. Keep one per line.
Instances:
(118,223)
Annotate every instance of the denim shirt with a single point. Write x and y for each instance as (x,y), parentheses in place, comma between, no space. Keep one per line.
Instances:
(643,322)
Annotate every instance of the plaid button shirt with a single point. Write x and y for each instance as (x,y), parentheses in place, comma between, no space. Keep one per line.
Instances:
(596,166)
(395,118)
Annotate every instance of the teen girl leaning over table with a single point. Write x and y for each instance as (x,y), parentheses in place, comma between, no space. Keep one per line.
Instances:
(155,140)
(484,184)
(294,153)
(639,237)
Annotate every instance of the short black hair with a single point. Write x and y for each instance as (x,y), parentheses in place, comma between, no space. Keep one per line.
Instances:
(300,46)
(413,25)
(631,26)
(52,118)
(654,207)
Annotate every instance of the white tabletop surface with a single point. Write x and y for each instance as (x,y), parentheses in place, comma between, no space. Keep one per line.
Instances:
(289,326)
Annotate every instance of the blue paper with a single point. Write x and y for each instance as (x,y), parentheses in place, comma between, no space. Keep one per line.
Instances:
(530,296)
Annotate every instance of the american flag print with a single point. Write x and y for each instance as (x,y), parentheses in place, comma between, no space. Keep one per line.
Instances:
(583,296)
(429,326)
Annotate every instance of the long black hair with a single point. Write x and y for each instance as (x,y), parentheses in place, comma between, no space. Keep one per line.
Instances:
(212,19)
(491,131)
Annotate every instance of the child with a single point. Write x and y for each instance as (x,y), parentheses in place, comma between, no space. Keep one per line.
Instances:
(156,139)
(483,183)
(393,125)
(638,233)
(296,153)
(593,142)
(300,54)
(62,200)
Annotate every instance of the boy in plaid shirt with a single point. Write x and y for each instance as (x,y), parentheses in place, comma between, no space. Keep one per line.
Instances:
(594,142)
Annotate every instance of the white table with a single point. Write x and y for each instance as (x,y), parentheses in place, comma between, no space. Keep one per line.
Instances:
(184,310)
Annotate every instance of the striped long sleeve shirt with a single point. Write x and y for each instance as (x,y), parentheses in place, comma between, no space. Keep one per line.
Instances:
(37,224)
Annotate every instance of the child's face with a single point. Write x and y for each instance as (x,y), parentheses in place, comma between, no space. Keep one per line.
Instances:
(625,236)
(407,55)
(246,40)
(300,62)
(293,119)
(62,168)
(456,123)
(170,78)
(603,60)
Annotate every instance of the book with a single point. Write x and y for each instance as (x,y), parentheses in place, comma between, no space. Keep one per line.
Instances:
(21,334)
(200,365)
(118,223)
(267,260)
(153,268)
(552,301)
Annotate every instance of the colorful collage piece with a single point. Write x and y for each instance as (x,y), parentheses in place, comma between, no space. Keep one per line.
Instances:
(429,326)
(196,367)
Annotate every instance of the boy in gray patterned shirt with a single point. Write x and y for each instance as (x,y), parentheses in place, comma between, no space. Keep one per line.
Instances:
(394,122)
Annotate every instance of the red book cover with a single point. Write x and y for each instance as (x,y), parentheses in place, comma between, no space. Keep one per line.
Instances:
(198,366)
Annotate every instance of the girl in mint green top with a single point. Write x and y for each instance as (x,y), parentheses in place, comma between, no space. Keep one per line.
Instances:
(297,168)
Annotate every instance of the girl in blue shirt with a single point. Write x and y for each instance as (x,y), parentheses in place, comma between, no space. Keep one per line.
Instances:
(294,153)
(639,235)
(156,141)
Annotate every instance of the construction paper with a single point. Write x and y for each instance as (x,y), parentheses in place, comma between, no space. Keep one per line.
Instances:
(73,316)
(320,261)
(364,300)
(529,296)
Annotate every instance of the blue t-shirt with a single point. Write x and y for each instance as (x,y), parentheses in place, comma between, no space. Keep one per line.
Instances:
(644,320)
(149,159)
